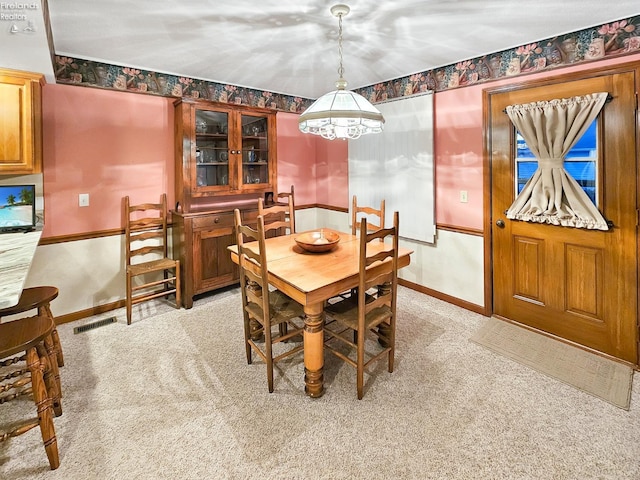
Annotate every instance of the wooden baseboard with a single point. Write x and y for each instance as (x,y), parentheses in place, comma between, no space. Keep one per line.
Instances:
(444,297)
(89,312)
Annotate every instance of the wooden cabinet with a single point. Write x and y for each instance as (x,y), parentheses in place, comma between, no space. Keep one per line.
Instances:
(200,242)
(20,122)
(225,159)
(222,150)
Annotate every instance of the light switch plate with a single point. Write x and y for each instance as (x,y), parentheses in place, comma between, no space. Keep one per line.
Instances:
(463,196)
(83,199)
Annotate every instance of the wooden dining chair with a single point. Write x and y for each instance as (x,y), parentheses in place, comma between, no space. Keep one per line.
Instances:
(357,212)
(372,312)
(27,358)
(279,217)
(268,307)
(147,254)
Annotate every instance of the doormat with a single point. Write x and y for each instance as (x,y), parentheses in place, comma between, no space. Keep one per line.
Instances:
(591,373)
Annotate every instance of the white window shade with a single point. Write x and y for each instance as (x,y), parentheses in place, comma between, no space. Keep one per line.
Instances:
(397,166)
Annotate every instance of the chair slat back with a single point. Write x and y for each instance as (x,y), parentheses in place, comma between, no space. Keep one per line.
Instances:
(278,217)
(145,230)
(254,282)
(359,212)
(377,269)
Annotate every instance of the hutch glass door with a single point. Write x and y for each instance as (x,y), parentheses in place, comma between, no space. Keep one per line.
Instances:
(212,148)
(255,150)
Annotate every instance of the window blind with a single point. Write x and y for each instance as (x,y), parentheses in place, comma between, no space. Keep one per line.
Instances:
(397,166)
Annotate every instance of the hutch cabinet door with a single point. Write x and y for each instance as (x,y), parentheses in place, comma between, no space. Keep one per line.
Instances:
(212,151)
(257,152)
(222,150)
(212,261)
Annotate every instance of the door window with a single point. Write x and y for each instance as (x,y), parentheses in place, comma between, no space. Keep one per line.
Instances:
(581,162)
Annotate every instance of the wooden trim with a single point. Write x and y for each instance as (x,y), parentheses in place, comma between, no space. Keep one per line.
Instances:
(81,236)
(98,309)
(466,230)
(444,297)
(89,312)
(564,78)
(486,203)
(115,231)
(331,207)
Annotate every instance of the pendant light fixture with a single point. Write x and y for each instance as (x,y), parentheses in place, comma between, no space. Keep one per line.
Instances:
(341,113)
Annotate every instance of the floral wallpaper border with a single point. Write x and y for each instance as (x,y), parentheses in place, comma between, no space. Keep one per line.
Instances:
(609,40)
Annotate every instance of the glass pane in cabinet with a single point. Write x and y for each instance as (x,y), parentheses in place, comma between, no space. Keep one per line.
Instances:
(255,150)
(212,148)
(212,175)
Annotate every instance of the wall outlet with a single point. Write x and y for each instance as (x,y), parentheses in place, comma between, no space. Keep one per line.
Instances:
(83,200)
(463,196)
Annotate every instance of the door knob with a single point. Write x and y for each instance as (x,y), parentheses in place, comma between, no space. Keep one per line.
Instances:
(500,223)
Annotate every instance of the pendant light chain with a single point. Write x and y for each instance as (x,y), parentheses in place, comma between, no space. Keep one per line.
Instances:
(341,68)
(341,113)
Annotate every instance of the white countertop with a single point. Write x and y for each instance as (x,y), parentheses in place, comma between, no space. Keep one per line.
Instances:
(16,254)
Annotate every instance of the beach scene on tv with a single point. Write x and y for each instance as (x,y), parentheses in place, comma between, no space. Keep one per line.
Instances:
(16,206)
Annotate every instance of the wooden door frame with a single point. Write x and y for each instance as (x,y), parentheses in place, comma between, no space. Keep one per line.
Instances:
(486,153)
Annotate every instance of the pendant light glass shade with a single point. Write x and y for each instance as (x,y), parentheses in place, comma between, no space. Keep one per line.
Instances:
(341,113)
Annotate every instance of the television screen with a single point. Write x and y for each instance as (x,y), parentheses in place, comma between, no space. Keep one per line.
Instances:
(17,207)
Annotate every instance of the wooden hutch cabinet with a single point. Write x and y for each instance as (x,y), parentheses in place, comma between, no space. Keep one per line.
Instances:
(21,122)
(225,159)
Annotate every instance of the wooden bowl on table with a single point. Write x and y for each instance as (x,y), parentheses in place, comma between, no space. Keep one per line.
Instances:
(318,240)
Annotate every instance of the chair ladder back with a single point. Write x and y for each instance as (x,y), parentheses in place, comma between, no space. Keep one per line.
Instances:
(146,234)
(278,216)
(252,265)
(365,211)
(139,231)
(378,268)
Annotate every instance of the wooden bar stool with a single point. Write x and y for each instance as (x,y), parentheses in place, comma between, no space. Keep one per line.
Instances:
(38,298)
(29,337)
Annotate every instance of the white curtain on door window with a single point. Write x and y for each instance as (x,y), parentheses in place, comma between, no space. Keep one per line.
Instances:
(551,128)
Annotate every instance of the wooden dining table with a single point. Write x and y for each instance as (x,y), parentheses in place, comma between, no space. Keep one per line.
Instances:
(311,279)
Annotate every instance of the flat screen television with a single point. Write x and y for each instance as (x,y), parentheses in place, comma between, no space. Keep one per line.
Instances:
(17,208)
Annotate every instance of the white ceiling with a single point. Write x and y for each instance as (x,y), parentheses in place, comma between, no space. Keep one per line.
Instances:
(290,46)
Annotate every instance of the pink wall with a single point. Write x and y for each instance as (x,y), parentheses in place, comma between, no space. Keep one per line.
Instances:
(296,159)
(458,156)
(110,144)
(317,167)
(107,144)
(332,172)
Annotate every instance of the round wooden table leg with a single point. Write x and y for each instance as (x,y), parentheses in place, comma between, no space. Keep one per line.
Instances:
(313,346)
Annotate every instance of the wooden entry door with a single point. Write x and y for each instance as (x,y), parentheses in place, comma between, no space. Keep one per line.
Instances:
(577,284)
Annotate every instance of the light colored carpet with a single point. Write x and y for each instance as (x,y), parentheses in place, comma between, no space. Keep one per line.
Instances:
(171,397)
(602,377)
